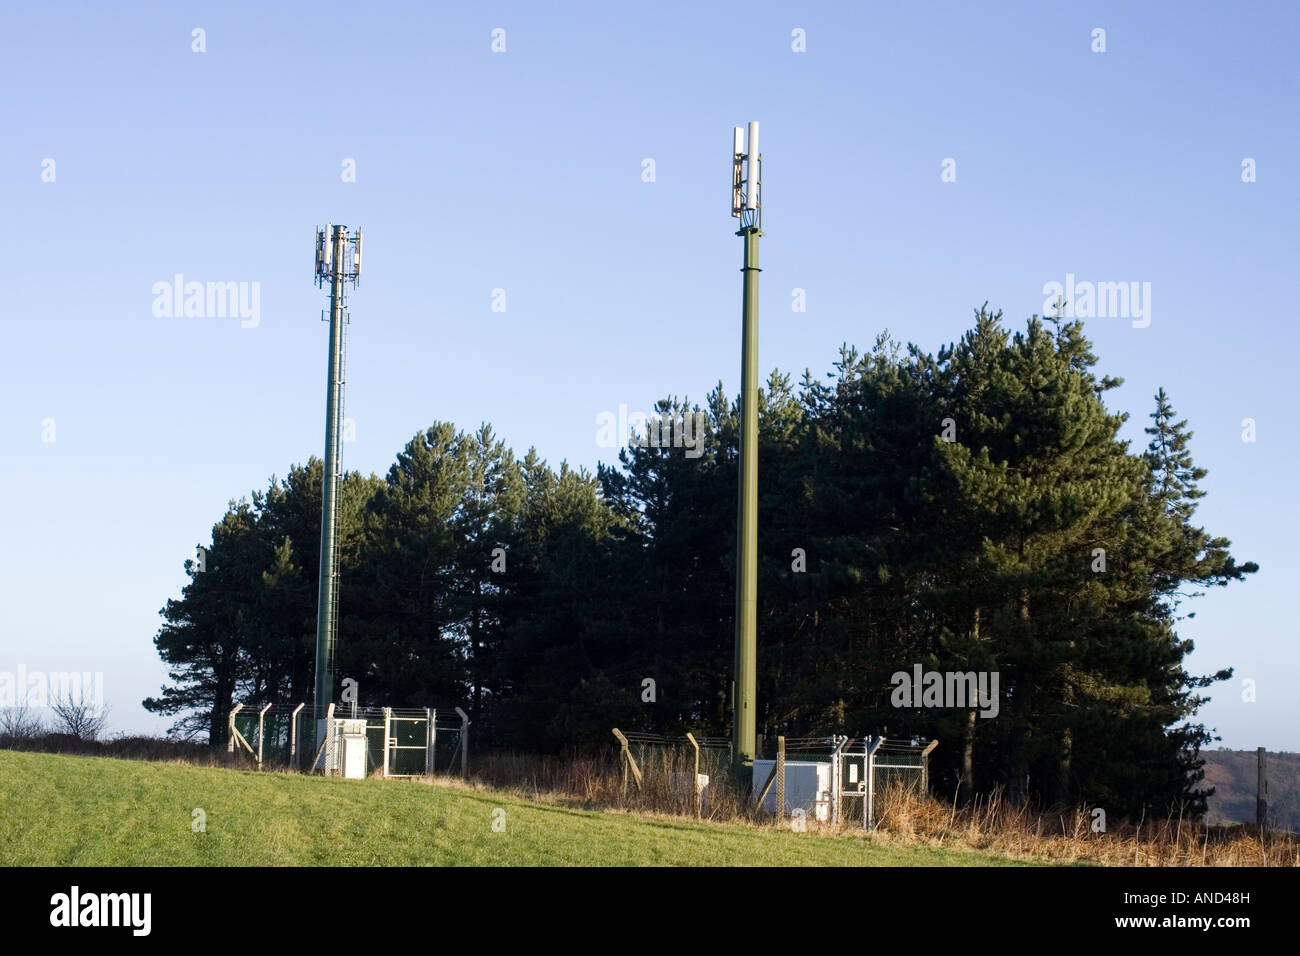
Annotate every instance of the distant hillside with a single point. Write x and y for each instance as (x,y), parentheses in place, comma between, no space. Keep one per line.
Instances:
(1233,773)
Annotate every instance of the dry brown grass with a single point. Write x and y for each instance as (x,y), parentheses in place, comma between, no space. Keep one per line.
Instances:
(990,824)
(599,782)
(1067,836)
(155,749)
(151,749)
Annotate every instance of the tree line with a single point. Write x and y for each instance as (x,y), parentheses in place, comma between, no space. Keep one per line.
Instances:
(973,510)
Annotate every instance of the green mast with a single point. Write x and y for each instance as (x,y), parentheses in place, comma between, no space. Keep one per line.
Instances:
(747,208)
(338,261)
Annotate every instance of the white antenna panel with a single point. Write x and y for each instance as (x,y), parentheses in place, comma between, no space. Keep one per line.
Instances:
(751,181)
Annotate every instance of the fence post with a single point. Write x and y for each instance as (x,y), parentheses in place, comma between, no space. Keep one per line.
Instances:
(836,774)
(324,753)
(869,807)
(780,778)
(261,733)
(628,762)
(230,725)
(428,741)
(925,768)
(331,741)
(865,784)
(871,782)
(293,736)
(464,742)
(1261,790)
(622,759)
(695,782)
(387,742)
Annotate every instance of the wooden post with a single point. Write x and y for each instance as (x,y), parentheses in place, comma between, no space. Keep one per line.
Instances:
(235,735)
(695,783)
(230,744)
(767,785)
(925,768)
(629,762)
(1261,790)
(464,742)
(780,778)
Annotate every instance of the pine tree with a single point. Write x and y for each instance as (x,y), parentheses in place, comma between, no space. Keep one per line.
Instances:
(973,510)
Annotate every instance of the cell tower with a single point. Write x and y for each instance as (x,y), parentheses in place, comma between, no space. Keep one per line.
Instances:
(746,205)
(338,262)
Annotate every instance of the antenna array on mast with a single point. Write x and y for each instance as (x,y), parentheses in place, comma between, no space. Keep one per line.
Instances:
(349,266)
(746,177)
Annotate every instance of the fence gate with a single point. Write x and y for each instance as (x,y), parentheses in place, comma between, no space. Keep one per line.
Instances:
(853,779)
(408,736)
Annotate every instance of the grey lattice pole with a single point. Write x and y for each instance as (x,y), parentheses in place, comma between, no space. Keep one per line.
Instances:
(746,207)
(338,261)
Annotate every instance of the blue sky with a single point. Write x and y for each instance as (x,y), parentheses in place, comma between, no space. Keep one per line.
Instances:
(522,171)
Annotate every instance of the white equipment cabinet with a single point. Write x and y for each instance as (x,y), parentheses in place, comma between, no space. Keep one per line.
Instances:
(807,787)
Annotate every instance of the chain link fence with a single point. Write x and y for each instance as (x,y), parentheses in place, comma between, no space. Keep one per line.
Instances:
(399,741)
(831,779)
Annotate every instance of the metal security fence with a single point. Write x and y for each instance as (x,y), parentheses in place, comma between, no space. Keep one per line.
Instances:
(658,770)
(904,765)
(832,779)
(837,779)
(271,735)
(389,741)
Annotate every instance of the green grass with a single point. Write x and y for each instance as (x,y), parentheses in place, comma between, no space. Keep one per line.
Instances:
(96,811)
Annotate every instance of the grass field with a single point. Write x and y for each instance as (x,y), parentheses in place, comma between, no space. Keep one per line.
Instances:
(94,811)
